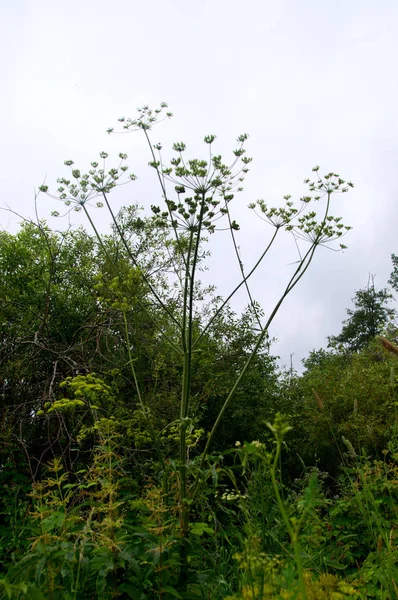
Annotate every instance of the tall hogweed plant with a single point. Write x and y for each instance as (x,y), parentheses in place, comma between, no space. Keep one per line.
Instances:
(196,199)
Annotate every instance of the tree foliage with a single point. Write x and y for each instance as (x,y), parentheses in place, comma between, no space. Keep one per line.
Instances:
(393,281)
(371,316)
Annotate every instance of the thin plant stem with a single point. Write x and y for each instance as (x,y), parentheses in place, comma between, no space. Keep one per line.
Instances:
(185,337)
(222,306)
(240,263)
(164,192)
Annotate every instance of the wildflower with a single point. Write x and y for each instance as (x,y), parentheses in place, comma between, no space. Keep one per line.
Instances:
(257,444)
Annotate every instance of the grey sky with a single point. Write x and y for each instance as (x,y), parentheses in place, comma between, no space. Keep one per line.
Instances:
(311,82)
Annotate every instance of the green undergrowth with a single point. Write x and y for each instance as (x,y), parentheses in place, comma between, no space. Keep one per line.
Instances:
(95,533)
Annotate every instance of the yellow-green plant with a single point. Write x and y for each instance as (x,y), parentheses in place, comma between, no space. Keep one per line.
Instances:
(78,540)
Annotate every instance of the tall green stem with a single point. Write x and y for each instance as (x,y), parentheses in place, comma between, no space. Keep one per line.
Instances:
(187,334)
(184,517)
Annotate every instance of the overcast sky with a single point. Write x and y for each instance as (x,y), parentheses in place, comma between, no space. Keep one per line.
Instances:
(313,83)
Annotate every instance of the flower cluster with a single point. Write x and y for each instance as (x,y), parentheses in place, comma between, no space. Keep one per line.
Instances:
(329,184)
(231,495)
(278,217)
(257,444)
(307,225)
(147,117)
(80,189)
(203,188)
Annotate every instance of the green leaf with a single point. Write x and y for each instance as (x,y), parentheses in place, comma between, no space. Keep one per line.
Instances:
(335,564)
(172,591)
(131,591)
(54,521)
(200,528)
